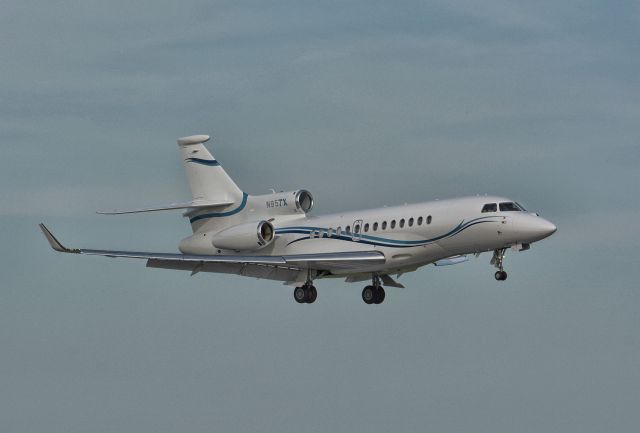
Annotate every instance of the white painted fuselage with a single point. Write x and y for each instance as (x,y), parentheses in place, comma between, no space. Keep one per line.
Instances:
(409,236)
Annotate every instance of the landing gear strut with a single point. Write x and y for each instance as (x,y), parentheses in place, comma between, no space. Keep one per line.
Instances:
(498,260)
(374,294)
(307,293)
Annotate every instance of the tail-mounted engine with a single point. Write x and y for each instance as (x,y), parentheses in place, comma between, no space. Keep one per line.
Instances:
(284,203)
(304,200)
(245,237)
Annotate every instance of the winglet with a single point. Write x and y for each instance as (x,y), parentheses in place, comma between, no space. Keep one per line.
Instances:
(55,244)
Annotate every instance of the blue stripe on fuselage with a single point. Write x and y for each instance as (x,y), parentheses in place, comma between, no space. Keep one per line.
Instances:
(378,241)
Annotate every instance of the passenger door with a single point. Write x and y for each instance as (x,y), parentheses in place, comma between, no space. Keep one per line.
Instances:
(357,230)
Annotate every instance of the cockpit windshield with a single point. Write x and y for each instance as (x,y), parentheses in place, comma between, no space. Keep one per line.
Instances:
(490,207)
(510,207)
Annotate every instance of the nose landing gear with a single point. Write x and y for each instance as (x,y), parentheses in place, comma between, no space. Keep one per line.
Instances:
(374,294)
(497,260)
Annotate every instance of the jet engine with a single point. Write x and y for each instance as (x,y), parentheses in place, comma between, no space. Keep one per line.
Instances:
(284,202)
(304,200)
(245,237)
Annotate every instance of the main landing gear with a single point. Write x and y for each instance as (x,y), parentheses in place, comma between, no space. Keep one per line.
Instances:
(306,294)
(373,294)
(497,260)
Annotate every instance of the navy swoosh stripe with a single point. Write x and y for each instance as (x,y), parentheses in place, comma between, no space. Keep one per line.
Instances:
(209,162)
(381,244)
(222,214)
(374,240)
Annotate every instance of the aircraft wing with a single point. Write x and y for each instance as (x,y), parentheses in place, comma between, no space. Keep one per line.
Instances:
(297,261)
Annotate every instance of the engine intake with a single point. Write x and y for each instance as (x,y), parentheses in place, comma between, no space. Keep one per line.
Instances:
(244,237)
(304,200)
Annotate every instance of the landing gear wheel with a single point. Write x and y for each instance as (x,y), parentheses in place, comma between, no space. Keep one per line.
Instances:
(300,295)
(369,294)
(498,261)
(379,297)
(311,294)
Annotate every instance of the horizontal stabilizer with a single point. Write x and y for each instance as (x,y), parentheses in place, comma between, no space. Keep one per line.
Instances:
(451,261)
(173,206)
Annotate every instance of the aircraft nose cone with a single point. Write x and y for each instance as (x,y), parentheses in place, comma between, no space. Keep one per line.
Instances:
(546,228)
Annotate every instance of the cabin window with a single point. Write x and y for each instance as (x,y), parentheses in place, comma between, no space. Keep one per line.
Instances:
(419,221)
(489,207)
(429,219)
(356,228)
(402,223)
(410,222)
(375,226)
(347,229)
(366,227)
(509,207)
(338,231)
(393,224)
(384,225)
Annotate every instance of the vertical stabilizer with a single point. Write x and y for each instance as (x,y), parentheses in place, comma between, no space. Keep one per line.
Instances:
(207,179)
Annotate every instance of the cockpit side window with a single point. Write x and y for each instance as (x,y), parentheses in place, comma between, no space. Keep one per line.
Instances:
(510,207)
(489,207)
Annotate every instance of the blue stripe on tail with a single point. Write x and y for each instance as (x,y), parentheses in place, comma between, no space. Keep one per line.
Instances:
(222,214)
(209,162)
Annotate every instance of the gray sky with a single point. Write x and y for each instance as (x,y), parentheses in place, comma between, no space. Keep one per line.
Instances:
(364,103)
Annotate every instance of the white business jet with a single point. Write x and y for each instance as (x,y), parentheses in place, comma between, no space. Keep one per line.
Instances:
(273,236)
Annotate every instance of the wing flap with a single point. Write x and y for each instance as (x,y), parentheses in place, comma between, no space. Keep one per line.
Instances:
(193,258)
(336,260)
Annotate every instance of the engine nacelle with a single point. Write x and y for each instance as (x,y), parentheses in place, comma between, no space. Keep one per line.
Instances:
(244,237)
(283,203)
(304,200)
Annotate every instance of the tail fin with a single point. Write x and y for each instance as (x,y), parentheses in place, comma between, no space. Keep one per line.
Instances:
(207,179)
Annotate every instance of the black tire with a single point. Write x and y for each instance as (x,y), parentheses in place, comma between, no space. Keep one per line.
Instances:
(501,275)
(368,295)
(300,295)
(380,295)
(312,294)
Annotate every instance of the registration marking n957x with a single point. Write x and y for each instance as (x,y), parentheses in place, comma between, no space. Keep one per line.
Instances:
(281,202)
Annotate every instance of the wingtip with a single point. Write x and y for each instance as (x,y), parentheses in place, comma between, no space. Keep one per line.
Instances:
(55,243)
